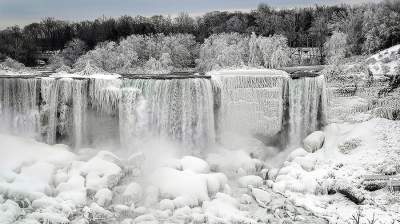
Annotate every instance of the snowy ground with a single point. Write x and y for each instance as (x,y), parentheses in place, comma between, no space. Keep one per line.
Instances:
(41,183)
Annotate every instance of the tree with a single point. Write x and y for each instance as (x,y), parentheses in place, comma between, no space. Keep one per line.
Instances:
(319,30)
(73,50)
(254,51)
(336,47)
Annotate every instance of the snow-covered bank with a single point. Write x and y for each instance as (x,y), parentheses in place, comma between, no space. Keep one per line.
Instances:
(350,152)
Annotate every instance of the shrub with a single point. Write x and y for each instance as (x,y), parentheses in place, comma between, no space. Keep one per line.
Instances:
(349,145)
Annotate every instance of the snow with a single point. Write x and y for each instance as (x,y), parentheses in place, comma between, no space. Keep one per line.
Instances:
(385,62)
(106,76)
(306,178)
(248,72)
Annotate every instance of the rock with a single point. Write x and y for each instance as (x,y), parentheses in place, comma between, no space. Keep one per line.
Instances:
(194,164)
(374,185)
(250,180)
(314,141)
(95,213)
(122,210)
(167,204)
(299,152)
(245,199)
(133,193)
(145,219)
(136,160)
(262,197)
(352,193)
(103,197)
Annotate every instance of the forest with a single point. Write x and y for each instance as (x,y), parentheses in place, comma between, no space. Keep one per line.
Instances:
(367,28)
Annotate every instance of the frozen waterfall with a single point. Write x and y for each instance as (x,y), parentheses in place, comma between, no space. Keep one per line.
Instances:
(192,111)
(307,107)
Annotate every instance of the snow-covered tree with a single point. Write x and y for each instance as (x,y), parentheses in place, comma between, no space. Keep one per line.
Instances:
(280,57)
(269,46)
(138,53)
(223,50)
(235,50)
(336,47)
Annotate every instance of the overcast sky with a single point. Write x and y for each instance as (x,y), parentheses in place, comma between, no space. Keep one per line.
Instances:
(22,12)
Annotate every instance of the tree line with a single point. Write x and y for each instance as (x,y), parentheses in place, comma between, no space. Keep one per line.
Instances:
(368,28)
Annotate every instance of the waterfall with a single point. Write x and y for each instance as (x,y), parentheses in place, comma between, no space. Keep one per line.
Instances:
(307,107)
(129,117)
(19,106)
(250,103)
(191,111)
(177,109)
(79,105)
(63,113)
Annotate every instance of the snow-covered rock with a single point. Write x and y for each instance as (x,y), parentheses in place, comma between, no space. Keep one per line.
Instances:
(233,163)
(188,187)
(133,193)
(103,197)
(166,204)
(224,209)
(194,164)
(101,173)
(250,180)
(262,197)
(314,141)
(9,212)
(299,152)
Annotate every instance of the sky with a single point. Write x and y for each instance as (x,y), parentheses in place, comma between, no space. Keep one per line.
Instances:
(22,12)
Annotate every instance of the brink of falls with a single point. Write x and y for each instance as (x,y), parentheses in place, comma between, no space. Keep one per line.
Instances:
(193,111)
